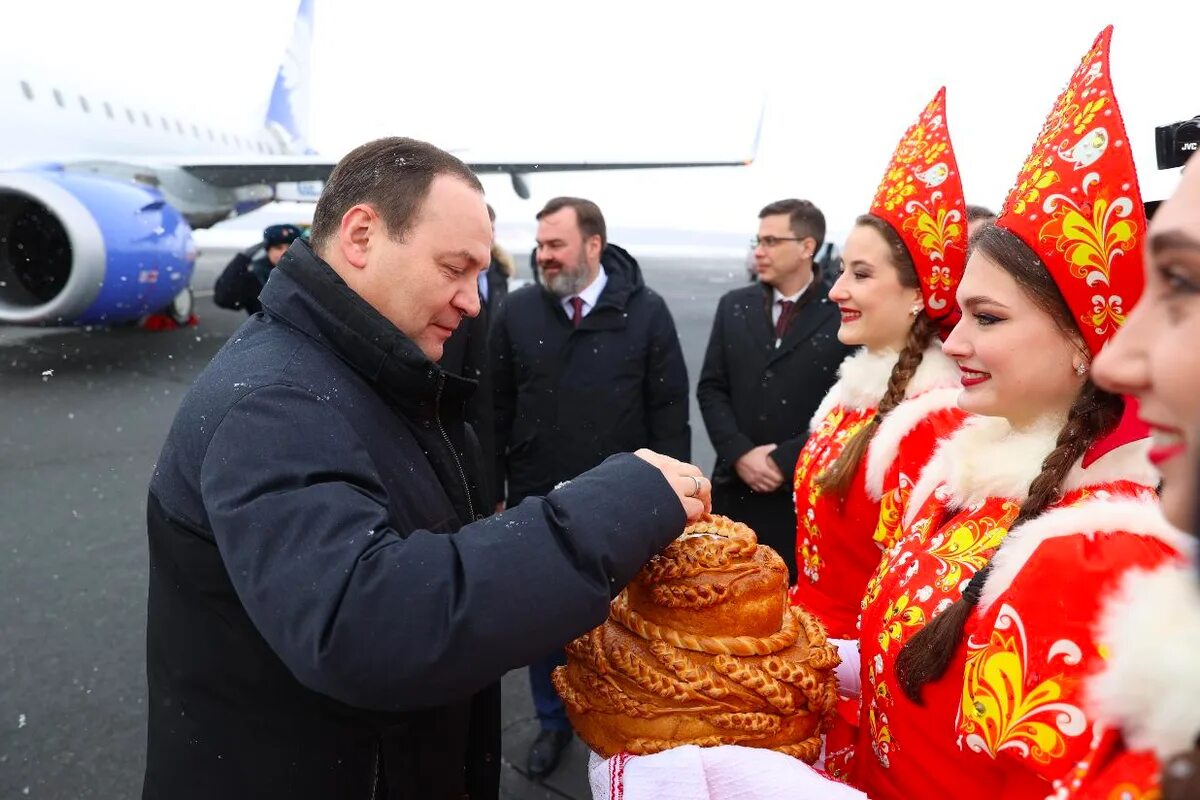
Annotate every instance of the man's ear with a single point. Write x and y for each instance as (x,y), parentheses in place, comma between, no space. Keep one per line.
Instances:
(810,247)
(354,234)
(594,247)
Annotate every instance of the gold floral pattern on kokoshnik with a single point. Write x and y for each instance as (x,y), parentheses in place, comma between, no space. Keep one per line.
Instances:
(921,197)
(1076,202)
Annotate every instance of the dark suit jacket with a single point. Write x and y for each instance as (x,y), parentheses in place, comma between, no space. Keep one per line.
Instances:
(752,392)
(466,354)
(567,397)
(497,283)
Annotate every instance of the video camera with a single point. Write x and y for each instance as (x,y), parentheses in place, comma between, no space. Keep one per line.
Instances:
(1177,142)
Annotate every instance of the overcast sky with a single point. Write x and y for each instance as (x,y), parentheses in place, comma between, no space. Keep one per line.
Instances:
(625,79)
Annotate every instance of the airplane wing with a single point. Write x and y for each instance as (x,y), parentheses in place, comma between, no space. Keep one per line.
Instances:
(228,174)
(222,172)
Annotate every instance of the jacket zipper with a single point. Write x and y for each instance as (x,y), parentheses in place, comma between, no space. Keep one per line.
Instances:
(437,415)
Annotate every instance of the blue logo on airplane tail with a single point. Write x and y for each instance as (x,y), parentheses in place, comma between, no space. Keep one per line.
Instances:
(287,112)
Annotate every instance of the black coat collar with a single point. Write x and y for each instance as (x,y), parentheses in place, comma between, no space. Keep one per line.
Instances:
(307,294)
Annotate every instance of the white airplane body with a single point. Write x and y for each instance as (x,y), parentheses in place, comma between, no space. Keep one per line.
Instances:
(99,192)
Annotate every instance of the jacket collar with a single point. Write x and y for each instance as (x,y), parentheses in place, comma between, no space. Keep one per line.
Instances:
(308,295)
(803,324)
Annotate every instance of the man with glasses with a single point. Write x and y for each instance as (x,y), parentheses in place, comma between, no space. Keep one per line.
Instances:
(772,356)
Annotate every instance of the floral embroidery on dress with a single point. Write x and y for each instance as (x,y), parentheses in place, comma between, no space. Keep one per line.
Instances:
(1000,711)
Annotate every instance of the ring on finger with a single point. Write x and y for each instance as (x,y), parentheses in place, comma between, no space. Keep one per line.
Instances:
(698,487)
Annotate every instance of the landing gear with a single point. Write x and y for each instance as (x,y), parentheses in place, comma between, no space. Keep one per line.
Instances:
(180,309)
(178,314)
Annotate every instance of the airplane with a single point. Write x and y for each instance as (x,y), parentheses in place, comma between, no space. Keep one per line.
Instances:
(97,204)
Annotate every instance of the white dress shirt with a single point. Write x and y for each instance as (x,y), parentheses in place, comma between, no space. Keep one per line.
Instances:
(777,309)
(589,295)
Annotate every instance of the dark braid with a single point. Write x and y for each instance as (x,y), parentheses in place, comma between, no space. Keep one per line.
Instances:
(838,476)
(927,655)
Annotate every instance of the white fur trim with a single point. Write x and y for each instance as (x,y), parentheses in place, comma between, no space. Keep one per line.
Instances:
(936,371)
(864,377)
(987,458)
(1150,685)
(862,381)
(1099,515)
(898,424)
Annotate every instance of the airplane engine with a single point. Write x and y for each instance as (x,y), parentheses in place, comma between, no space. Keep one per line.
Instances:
(81,250)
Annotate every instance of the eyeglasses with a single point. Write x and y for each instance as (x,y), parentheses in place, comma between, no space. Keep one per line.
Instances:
(774,241)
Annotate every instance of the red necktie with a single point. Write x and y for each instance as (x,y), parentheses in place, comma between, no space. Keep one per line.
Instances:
(786,309)
(577,314)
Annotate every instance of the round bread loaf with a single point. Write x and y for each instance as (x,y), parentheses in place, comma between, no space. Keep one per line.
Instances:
(702,648)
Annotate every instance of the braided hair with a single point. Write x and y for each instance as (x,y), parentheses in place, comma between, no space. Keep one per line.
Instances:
(838,476)
(927,655)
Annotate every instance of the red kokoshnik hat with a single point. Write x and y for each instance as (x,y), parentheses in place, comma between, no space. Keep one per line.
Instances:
(1076,203)
(921,197)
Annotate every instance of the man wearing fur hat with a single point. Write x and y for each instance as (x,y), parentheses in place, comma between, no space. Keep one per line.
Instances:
(245,276)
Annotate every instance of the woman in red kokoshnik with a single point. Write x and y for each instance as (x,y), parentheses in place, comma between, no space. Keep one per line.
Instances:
(894,399)
(1147,696)
(897,395)
(978,630)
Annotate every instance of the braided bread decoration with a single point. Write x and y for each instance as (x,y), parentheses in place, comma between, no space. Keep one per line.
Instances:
(702,648)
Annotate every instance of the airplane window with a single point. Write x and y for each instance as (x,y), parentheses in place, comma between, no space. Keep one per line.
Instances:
(58,98)
(146,116)
(83,103)
(27,90)
(108,109)
(179,127)
(132,118)
(211,136)
(166,125)
(225,137)
(195,130)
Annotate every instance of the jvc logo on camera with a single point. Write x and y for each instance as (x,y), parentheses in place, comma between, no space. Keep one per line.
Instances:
(1175,143)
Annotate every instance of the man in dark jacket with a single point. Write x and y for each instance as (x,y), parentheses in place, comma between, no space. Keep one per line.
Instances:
(329,610)
(587,364)
(243,278)
(493,282)
(467,353)
(772,356)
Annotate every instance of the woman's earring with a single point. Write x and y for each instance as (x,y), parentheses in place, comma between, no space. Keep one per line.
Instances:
(1081,369)
(915,310)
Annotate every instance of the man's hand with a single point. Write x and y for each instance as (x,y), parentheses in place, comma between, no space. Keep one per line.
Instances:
(691,487)
(758,471)
(499,507)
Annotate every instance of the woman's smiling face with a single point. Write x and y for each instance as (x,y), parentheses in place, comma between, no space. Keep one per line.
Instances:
(1154,356)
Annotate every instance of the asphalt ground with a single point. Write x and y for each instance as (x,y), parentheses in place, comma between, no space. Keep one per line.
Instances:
(83,414)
